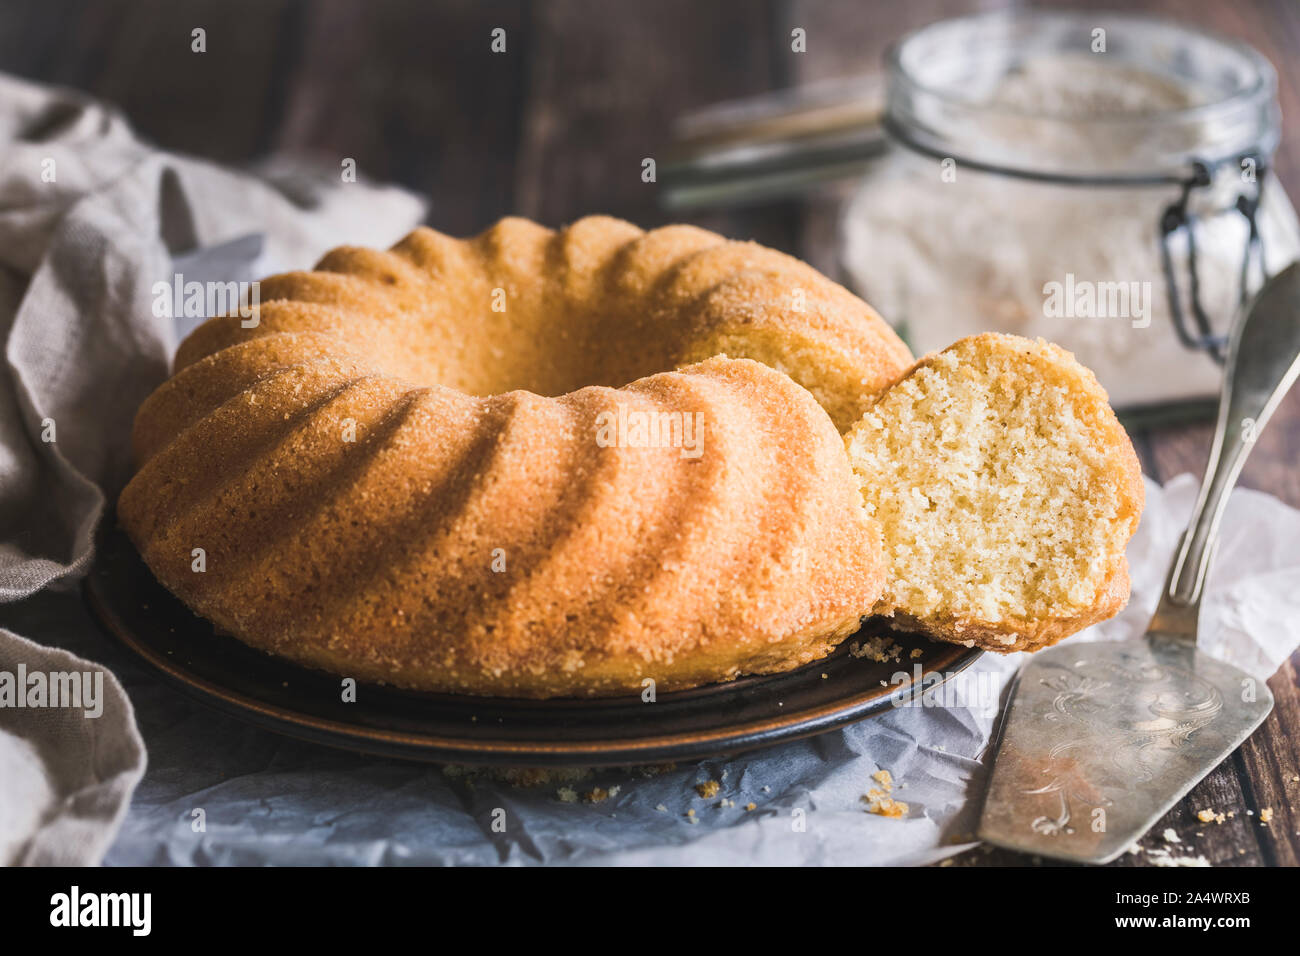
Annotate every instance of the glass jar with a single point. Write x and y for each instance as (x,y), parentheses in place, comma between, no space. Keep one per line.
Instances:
(1099,180)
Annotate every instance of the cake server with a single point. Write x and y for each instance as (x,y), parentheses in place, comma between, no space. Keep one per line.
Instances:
(1101,739)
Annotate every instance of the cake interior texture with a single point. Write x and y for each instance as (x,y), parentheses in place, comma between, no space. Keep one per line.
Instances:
(1006,491)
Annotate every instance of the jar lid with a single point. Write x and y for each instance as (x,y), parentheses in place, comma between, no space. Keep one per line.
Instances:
(1081,97)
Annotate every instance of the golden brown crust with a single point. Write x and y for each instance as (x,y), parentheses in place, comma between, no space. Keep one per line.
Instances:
(379,564)
(373,492)
(633,303)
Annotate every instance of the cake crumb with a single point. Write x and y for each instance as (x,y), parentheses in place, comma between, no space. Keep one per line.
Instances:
(883,805)
(1266,815)
(1170,836)
(884,778)
(751,806)
(1209,816)
(567,795)
(1160,856)
(708,789)
(880,649)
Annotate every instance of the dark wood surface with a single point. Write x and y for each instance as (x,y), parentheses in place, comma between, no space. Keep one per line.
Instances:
(557,127)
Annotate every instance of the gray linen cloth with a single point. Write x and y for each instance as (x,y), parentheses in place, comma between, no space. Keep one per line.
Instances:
(90,219)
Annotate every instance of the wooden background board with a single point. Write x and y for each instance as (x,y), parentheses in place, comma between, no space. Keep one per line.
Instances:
(557,127)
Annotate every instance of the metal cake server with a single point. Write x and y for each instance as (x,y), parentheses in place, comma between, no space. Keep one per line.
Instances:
(1101,739)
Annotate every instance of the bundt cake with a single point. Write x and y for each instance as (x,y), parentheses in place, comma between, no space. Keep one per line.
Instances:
(373,480)
(541,463)
(1006,491)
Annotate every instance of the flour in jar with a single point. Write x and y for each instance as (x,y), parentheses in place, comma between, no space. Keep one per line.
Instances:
(944,259)
(1080,86)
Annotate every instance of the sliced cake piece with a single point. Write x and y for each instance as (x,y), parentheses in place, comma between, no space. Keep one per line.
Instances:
(1006,490)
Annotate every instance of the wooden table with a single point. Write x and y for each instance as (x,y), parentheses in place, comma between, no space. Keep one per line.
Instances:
(557,126)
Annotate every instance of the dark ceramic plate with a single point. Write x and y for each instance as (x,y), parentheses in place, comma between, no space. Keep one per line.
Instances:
(723,718)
